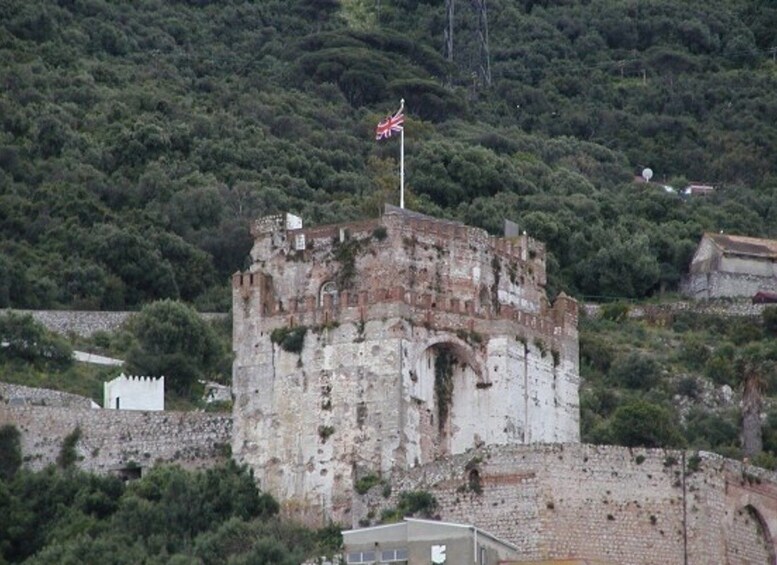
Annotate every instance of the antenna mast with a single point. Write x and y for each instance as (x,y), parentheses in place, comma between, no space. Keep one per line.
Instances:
(484,65)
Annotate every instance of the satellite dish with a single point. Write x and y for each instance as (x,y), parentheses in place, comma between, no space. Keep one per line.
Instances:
(647,174)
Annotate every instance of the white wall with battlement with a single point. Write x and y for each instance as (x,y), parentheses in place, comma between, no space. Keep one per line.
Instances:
(134,393)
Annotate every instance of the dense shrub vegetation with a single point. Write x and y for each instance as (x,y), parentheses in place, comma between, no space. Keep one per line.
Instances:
(172,340)
(137,140)
(168,516)
(702,383)
(166,338)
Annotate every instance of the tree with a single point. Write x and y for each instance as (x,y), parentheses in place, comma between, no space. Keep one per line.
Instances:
(624,268)
(136,260)
(174,342)
(641,424)
(29,341)
(635,371)
(10,452)
(755,364)
(769,317)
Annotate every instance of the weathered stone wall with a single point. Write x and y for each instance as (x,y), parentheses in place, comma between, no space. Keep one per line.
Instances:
(361,402)
(724,284)
(18,395)
(728,267)
(85,323)
(720,307)
(618,505)
(111,439)
(425,338)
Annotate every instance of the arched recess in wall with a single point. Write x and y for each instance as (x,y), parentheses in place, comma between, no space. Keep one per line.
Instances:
(749,539)
(329,288)
(445,377)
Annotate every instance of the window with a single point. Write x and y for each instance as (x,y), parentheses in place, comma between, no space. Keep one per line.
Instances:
(393,556)
(328,288)
(361,557)
(483,558)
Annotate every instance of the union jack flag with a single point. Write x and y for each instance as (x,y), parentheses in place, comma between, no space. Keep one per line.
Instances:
(392,124)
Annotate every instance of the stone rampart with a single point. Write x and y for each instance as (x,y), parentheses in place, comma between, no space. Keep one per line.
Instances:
(84,323)
(18,395)
(719,307)
(111,440)
(614,504)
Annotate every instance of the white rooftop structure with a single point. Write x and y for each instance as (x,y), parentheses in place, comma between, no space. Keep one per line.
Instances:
(134,393)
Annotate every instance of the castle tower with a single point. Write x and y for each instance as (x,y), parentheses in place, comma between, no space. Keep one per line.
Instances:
(368,347)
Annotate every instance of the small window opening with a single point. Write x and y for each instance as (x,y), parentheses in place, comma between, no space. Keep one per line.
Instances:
(130,473)
(329,288)
(474,481)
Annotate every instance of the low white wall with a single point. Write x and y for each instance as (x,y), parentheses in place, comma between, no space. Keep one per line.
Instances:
(135,393)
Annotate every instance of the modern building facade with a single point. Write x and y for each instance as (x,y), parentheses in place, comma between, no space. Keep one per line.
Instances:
(414,541)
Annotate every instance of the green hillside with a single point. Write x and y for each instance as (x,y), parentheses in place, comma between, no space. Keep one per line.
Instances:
(138,139)
(681,379)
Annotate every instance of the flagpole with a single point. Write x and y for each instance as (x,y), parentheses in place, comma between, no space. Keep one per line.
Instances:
(402,161)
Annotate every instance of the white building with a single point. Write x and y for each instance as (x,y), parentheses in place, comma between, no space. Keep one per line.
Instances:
(134,393)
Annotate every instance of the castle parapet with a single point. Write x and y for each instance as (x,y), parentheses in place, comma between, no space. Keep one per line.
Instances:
(274,223)
(558,320)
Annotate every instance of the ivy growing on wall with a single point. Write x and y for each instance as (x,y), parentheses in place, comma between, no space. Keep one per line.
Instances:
(496,266)
(472,337)
(68,455)
(290,339)
(412,503)
(324,432)
(10,451)
(443,384)
(346,252)
(366,482)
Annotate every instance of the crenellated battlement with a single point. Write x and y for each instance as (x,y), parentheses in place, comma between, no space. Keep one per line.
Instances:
(354,305)
(443,264)
(141,378)
(286,234)
(134,392)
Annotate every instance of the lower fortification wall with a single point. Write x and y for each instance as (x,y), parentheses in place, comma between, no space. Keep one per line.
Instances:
(111,440)
(733,307)
(614,504)
(18,395)
(85,323)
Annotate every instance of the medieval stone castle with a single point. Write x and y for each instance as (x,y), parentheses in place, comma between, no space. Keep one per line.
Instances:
(423,355)
(418,339)
(425,352)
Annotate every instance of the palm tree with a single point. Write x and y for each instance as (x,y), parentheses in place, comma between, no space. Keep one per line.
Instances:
(754,364)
